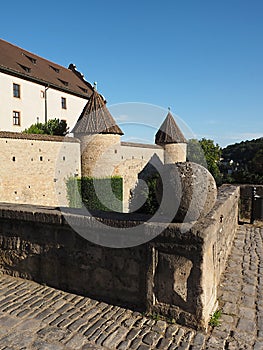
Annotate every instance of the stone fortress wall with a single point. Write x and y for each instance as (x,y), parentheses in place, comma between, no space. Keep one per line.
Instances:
(40,165)
(36,167)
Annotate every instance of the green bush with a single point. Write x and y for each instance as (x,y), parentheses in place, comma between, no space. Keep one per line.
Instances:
(147,195)
(74,192)
(37,128)
(96,193)
(51,127)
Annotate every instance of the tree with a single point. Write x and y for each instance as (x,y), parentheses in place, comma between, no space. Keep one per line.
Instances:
(245,162)
(52,127)
(56,127)
(207,154)
(212,154)
(195,152)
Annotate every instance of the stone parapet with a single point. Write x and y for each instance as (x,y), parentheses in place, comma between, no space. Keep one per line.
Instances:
(175,274)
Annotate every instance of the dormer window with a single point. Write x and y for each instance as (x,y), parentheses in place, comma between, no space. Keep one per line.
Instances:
(54,68)
(33,60)
(83,89)
(26,69)
(63,82)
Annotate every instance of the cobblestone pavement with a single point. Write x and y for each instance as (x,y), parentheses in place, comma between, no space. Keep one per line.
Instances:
(33,316)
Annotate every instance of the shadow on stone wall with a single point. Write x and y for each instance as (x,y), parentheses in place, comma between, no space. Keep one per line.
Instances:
(176,274)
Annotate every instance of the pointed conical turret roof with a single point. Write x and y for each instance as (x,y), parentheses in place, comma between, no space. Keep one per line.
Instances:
(96,118)
(169,132)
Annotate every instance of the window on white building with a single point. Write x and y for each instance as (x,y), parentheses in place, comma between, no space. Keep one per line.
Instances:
(63,103)
(16,90)
(16,118)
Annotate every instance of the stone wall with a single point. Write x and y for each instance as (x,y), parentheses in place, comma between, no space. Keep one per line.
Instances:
(175,274)
(98,153)
(246,202)
(134,158)
(34,168)
(104,155)
(175,152)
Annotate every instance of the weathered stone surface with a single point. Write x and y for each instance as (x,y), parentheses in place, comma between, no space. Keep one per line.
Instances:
(188,191)
(172,273)
(163,275)
(237,331)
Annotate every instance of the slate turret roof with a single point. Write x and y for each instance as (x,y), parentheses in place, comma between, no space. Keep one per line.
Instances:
(96,118)
(169,132)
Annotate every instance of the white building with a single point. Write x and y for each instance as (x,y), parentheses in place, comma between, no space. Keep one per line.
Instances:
(33,89)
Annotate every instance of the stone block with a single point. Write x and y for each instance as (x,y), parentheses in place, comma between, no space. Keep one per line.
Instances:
(171,279)
(186,191)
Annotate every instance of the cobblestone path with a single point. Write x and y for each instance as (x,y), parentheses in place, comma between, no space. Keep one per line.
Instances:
(33,316)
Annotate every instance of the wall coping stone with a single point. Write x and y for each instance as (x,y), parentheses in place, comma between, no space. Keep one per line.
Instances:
(37,137)
(141,145)
(53,215)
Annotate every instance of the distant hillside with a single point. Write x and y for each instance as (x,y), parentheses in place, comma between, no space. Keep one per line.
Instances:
(243,162)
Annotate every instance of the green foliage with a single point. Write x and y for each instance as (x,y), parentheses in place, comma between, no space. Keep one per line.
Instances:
(157,317)
(35,129)
(96,194)
(52,127)
(244,151)
(243,162)
(56,127)
(74,192)
(207,154)
(195,152)
(212,154)
(215,318)
(147,195)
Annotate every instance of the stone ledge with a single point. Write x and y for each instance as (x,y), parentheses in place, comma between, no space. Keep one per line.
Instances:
(175,274)
(37,137)
(80,217)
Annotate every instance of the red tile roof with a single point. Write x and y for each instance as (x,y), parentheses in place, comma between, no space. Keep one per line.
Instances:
(26,65)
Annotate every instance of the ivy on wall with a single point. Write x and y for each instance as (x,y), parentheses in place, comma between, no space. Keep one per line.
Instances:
(95,193)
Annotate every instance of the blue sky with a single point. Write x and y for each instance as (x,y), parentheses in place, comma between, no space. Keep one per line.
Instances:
(204,59)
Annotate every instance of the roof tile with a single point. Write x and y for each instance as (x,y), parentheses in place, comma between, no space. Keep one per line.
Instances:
(96,118)
(17,61)
(169,132)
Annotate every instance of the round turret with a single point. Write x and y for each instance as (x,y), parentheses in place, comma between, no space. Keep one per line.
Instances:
(96,153)
(98,133)
(170,137)
(174,153)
